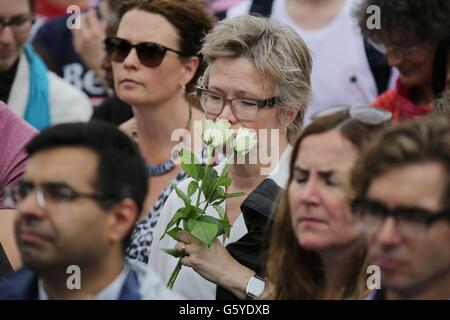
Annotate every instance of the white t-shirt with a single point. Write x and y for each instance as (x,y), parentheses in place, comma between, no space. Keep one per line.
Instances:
(341,73)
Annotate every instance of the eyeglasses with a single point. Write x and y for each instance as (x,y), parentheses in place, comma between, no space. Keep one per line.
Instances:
(407,51)
(411,222)
(150,54)
(367,115)
(17,23)
(47,192)
(243,109)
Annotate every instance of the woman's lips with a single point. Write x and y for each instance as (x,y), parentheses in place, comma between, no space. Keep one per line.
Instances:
(129,82)
(311,220)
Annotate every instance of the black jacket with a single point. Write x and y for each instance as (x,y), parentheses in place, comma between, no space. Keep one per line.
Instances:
(5,266)
(250,250)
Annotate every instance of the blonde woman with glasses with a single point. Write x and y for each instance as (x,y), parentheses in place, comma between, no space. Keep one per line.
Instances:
(258,77)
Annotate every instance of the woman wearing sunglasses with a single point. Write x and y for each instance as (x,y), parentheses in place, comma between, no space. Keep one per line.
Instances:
(316,252)
(409,34)
(258,77)
(155,63)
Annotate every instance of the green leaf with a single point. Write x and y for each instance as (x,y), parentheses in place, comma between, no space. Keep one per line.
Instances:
(204,231)
(220,211)
(223,181)
(188,157)
(219,223)
(218,201)
(197,211)
(209,183)
(173,233)
(183,196)
(173,252)
(190,164)
(194,213)
(234,195)
(218,194)
(181,213)
(226,226)
(193,186)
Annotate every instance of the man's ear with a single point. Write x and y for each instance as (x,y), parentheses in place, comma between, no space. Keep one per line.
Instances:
(190,68)
(121,219)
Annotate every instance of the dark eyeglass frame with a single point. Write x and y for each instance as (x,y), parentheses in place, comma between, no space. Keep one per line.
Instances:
(16,22)
(411,214)
(406,50)
(153,60)
(260,103)
(53,191)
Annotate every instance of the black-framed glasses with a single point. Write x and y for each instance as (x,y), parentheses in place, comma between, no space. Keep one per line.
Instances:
(409,51)
(365,114)
(411,222)
(17,23)
(244,109)
(47,192)
(150,54)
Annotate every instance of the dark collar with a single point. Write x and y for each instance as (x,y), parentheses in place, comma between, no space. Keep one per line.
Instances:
(257,208)
(6,81)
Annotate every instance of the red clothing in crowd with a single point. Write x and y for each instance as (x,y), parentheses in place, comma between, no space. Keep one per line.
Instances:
(49,9)
(398,101)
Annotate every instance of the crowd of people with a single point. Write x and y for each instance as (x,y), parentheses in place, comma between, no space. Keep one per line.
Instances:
(356,123)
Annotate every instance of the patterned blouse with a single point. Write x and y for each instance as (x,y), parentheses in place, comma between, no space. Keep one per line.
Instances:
(142,236)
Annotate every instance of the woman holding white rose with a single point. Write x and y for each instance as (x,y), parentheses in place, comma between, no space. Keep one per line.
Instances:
(258,77)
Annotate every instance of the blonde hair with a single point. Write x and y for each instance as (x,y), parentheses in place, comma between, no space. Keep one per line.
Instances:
(275,50)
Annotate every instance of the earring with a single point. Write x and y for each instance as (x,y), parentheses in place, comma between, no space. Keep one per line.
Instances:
(183,89)
(283,130)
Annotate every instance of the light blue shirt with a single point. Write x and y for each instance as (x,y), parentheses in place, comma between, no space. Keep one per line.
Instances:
(111,292)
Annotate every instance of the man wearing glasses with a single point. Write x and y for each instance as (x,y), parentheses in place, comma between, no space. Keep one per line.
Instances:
(402,186)
(77,202)
(29,89)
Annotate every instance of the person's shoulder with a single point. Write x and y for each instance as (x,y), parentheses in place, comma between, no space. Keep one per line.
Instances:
(52,30)
(386,100)
(13,124)
(68,103)
(151,285)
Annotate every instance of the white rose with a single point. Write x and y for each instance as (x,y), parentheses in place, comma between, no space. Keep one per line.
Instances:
(217,133)
(244,141)
(209,126)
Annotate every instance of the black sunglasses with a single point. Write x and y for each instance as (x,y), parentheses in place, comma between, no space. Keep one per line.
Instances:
(150,54)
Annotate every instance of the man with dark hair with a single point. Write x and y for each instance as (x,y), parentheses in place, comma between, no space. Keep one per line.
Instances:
(402,186)
(77,202)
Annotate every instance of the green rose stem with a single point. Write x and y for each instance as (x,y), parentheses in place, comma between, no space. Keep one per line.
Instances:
(174,274)
(178,266)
